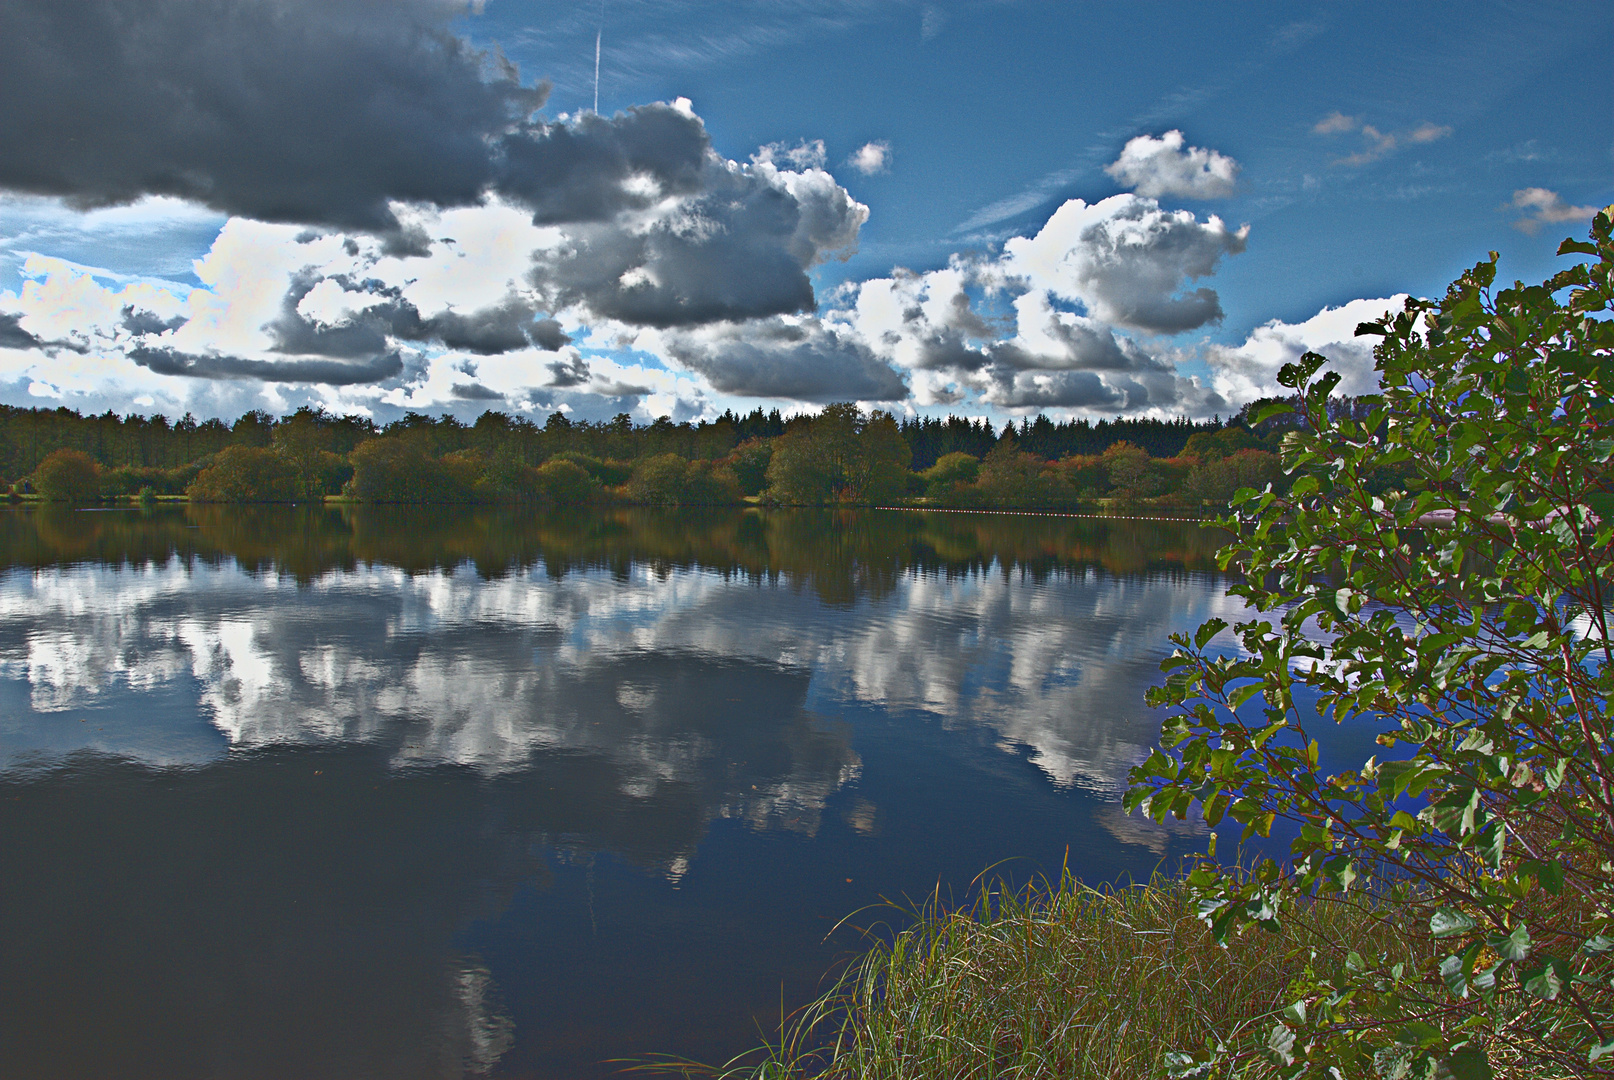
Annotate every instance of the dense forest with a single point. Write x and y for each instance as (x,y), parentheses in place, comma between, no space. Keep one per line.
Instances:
(839,456)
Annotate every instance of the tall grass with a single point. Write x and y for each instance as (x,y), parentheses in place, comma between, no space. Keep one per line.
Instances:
(1071,982)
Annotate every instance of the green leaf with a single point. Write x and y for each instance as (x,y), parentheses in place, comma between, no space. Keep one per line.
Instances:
(1470,1063)
(1207,630)
(1456,969)
(1514,945)
(1550,874)
(1490,845)
(1239,695)
(1417,1033)
(1446,923)
(1600,1051)
(1545,981)
(1456,813)
(1281,1044)
(1271,409)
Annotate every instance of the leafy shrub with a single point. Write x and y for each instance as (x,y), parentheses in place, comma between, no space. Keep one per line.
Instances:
(130,479)
(1214,445)
(710,483)
(750,464)
(1086,475)
(397,469)
(245,474)
(68,476)
(608,473)
(841,455)
(1010,478)
(1466,618)
(800,473)
(949,470)
(1130,472)
(669,480)
(658,480)
(1216,480)
(560,482)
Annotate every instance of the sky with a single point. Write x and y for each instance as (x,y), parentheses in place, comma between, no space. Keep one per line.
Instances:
(983,207)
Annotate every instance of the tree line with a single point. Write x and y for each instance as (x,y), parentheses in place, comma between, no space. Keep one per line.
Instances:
(839,456)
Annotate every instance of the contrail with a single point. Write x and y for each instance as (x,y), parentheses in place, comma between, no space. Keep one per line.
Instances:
(597,35)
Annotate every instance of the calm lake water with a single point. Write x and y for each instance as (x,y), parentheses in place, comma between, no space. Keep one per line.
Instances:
(407,793)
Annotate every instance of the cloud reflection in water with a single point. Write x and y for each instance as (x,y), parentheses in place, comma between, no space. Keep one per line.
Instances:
(446,667)
(349,766)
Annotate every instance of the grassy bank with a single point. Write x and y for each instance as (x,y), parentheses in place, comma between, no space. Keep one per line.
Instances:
(1073,983)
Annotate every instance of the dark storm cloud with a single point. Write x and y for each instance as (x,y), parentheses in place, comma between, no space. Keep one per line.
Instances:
(365,334)
(548,336)
(628,393)
(948,351)
(503,327)
(777,359)
(568,373)
(475,392)
(582,172)
(146,322)
(13,336)
(215,366)
(1087,346)
(738,249)
(663,279)
(280,110)
(1056,390)
(323,112)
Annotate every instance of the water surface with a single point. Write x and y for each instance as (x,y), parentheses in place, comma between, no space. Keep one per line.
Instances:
(404,793)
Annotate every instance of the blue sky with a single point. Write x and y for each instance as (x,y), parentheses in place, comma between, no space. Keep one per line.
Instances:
(1371,149)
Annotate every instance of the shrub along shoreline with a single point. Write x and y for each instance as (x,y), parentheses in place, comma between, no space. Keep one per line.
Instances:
(839,457)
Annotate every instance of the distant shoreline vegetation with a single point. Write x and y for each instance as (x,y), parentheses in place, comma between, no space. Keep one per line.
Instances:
(839,457)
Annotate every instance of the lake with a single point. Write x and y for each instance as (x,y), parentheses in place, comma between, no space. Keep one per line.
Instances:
(388,792)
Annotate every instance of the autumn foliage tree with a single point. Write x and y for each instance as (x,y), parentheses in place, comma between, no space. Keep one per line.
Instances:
(240,474)
(68,476)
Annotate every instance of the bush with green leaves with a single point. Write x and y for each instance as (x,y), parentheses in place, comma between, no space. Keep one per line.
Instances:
(240,474)
(560,482)
(841,455)
(1465,617)
(750,461)
(1216,480)
(68,476)
(670,480)
(949,470)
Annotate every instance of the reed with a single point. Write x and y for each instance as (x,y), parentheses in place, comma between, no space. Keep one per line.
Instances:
(1069,982)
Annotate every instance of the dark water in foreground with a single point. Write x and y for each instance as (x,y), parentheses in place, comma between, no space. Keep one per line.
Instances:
(416,794)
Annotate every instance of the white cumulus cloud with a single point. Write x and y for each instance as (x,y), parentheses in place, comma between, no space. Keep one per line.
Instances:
(871,158)
(1245,372)
(1126,260)
(1165,165)
(1545,208)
